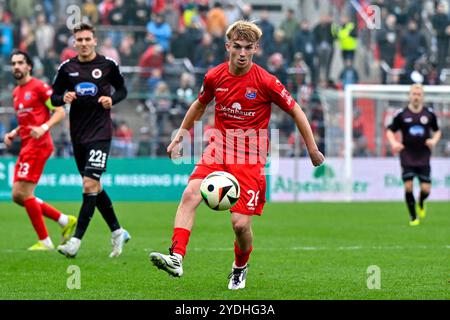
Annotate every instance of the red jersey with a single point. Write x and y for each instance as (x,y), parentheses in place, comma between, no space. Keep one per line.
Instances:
(244,102)
(29,104)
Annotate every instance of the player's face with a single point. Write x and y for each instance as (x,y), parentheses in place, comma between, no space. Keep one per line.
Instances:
(416,97)
(85,43)
(241,53)
(20,68)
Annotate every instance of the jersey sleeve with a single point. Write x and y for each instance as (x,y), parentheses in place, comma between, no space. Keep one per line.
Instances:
(60,85)
(279,94)
(44,91)
(434,122)
(396,122)
(206,93)
(118,82)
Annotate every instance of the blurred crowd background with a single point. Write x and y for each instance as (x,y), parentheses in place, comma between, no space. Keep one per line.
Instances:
(165,47)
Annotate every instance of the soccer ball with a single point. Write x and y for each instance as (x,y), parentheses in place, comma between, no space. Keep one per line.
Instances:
(220,190)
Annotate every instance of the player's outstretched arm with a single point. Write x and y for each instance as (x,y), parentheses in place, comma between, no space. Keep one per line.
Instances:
(304,127)
(57,116)
(194,113)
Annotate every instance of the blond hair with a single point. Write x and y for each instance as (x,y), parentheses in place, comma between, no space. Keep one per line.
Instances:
(244,30)
(416,85)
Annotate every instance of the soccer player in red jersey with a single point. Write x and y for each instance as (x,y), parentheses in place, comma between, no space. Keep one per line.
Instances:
(32,105)
(243,93)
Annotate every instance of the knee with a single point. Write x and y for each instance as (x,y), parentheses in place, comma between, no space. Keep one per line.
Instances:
(240,227)
(90,186)
(18,197)
(191,195)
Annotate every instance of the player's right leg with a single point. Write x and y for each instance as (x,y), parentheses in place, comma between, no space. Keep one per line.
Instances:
(410,202)
(23,195)
(184,221)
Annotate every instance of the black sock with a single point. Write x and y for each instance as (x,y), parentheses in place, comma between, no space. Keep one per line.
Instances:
(411,203)
(86,212)
(105,206)
(423,196)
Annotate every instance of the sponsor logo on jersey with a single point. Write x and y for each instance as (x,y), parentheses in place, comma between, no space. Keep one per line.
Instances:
(74,74)
(237,106)
(417,131)
(222,89)
(408,120)
(250,93)
(286,95)
(97,73)
(423,119)
(86,89)
(27,95)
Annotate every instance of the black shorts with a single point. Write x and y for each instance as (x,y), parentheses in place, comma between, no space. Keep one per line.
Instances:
(423,173)
(91,158)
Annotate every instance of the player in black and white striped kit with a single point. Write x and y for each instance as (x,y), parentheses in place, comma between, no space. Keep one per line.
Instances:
(85,82)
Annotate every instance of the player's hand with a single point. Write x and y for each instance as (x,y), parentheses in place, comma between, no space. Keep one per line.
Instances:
(316,157)
(69,97)
(430,143)
(9,137)
(36,132)
(397,147)
(174,149)
(105,101)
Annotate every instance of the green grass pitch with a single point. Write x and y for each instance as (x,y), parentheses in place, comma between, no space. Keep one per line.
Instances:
(301,251)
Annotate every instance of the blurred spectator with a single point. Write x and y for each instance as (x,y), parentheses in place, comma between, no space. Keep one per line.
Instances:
(398,8)
(275,66)
(267,38)
(62,35)
(90,11)
(301,72)
(104,8)
(348,75)
(45,35)
(107,49)
(347,34)
(413,45)
(154,80)
(247,12)
(22,9)
(204,56)
(144,148)
(232,12)
(441,25)
(128,51)
(63,146)
(6,34)
(387,40)
(51,63)
(304,43)
(185,93)
(359,138)
(172,13)
(122,143)
(152,58)
(28,39)
(117,17)
(216,20)
(160,30)
(289,26)
(69,51)
(324,41)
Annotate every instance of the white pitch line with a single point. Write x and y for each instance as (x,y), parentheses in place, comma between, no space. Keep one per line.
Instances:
(309,248)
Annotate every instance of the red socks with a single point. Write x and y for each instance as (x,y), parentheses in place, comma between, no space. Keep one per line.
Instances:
(34,211)
(241,257)
(49,211)
(180,240)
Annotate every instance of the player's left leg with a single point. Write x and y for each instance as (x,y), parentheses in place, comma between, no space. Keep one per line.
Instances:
(424,175)
(23,195)
(242,227)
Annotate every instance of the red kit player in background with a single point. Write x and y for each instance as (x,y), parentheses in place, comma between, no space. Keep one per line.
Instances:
(243,93)
(33,108)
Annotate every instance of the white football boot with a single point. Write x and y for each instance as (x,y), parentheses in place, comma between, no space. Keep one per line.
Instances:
(237,277)
(70,248)
(118,239)
(171,263)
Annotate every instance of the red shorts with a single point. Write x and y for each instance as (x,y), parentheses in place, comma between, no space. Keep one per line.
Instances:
(30,165)
(251,180)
